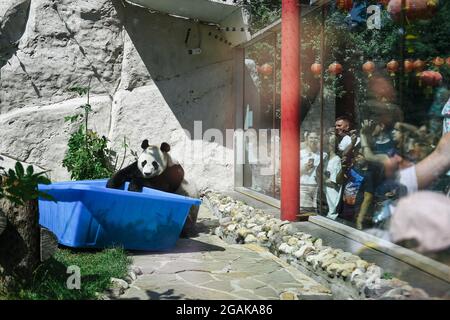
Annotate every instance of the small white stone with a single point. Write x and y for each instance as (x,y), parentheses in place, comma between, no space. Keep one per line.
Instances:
(262,236)
(250,239)
(257,229)
(293,241)
(304,250)
(225,220)
(284,247)
(132,275)
(318,243)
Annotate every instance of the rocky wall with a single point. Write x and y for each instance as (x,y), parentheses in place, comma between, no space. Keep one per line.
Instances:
(144,83)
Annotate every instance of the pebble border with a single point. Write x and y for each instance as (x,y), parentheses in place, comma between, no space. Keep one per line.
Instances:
(347,275)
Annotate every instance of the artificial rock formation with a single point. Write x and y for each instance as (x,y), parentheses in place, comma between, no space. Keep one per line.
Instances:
(144,83)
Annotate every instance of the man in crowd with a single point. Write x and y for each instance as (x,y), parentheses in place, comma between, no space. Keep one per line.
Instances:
(309,160)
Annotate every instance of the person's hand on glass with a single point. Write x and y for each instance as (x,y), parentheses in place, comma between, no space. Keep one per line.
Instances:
(359,225)
(367,127)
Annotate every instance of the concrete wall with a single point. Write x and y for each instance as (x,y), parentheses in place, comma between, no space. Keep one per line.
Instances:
(144,83)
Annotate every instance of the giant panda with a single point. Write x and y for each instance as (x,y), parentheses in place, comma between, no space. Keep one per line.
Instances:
(156,169)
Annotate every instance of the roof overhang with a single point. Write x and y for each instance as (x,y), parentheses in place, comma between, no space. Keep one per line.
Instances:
(226,14)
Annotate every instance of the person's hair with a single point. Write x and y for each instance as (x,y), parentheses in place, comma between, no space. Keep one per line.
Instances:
(345,118)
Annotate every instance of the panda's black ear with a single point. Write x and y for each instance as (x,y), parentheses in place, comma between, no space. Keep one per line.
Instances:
(144,144)
(165,147)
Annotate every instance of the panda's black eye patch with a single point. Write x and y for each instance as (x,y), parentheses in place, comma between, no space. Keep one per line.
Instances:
(144,163)
(155,165)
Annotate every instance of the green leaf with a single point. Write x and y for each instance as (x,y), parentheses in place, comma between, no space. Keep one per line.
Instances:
(30,170)
(19,170)
(11,174)
(46,196)
(43,180)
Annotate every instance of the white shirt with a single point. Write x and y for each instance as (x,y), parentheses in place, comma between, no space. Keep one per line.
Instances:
(408,178)
(346,141)
(334,167)
(305,155)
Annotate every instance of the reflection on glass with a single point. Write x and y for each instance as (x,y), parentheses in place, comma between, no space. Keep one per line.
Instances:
(375,117)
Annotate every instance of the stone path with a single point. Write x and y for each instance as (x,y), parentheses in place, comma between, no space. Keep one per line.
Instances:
(205,267)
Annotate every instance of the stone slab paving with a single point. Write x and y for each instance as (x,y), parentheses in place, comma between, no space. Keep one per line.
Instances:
(207,268)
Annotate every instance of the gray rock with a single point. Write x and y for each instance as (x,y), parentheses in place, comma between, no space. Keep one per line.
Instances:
(119,283)
(225,220)
(137,270)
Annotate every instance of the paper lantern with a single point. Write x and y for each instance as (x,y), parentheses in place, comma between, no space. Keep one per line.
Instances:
(316,69)
(430,79)
(392,67)
(438,61)
(408,66)
(419,65)
(266,70)
(368,67)
(335,68)
(345,5)
(415,9)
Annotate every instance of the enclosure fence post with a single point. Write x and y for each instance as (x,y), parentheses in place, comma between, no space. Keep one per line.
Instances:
(290,109)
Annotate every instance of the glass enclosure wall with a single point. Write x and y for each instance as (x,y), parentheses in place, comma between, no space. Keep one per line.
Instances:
(262,115)
(376,83)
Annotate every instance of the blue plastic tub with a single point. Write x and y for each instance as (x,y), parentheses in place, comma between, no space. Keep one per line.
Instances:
(89,215)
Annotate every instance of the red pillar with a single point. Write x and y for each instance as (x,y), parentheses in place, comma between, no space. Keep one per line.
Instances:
(290,109)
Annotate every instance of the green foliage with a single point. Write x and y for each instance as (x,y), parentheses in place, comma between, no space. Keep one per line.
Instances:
(262,12)
(88,156)
(96,268)
(387,276)
(20,185)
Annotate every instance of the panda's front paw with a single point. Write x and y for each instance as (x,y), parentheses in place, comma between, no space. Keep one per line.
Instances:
(135,187)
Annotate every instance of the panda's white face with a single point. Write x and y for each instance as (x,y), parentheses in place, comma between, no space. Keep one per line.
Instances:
(152,162)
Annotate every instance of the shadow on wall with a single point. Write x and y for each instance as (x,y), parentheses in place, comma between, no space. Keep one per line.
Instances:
(195,87)
(12,27)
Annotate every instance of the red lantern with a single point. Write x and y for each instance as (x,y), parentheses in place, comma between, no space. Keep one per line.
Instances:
(392,67)
(431,78)
(447,61)
(438,61)
(316,69)
(266,69)
(419,65)
(335,68)
(415,9)
(345,5)
(408,66)
(368,67)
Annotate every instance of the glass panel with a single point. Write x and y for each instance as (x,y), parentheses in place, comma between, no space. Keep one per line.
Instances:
(387,83)
(376,83)
(259,115)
